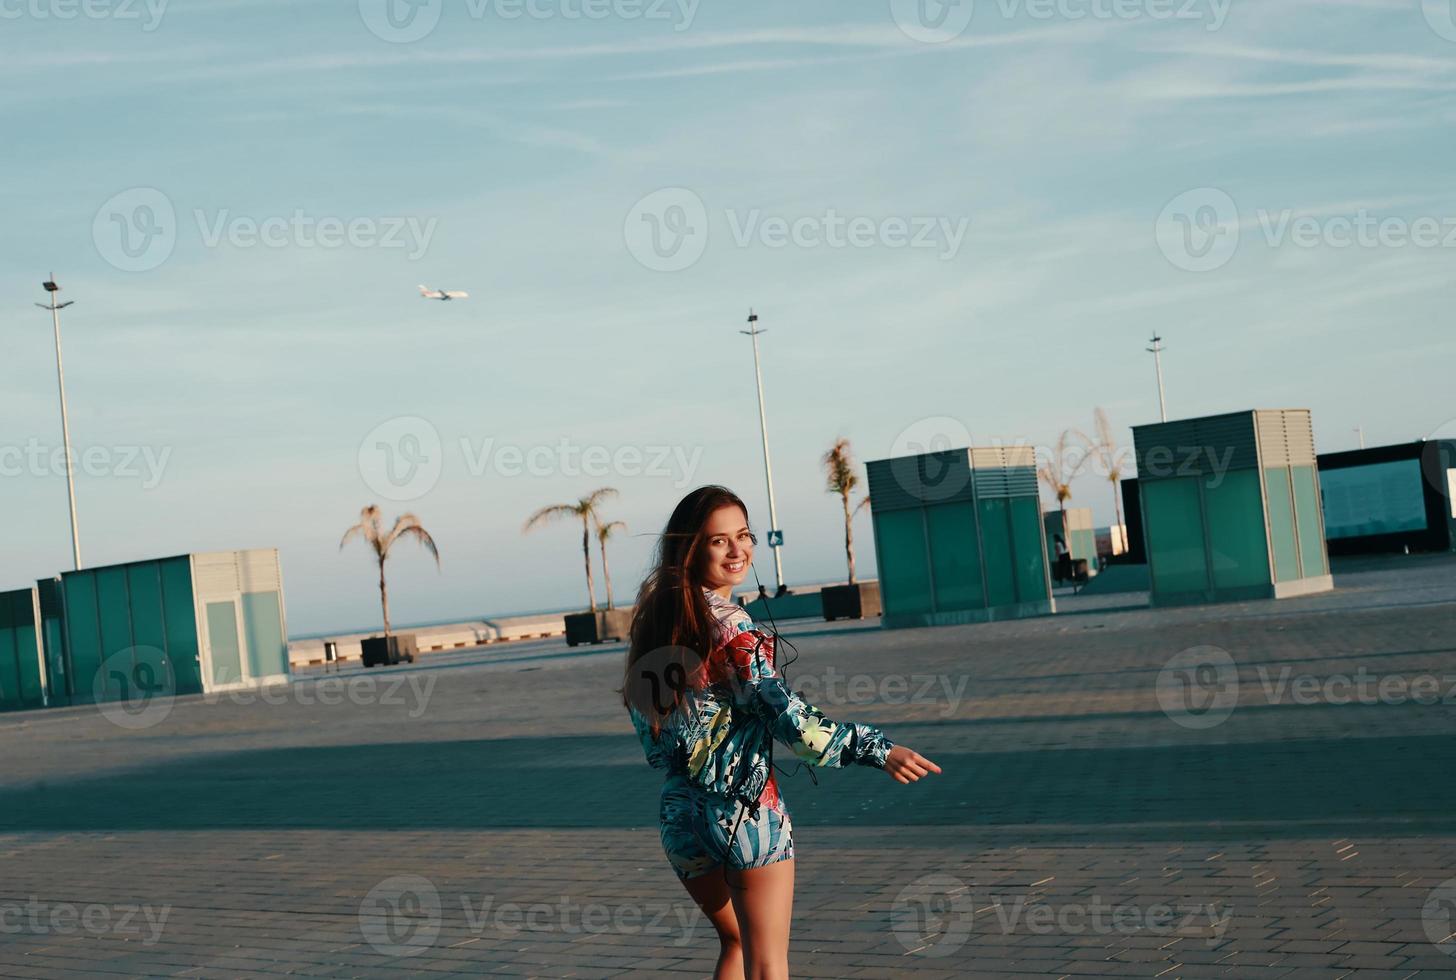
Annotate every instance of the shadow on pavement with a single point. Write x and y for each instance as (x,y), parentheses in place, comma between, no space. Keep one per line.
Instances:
(1397,784)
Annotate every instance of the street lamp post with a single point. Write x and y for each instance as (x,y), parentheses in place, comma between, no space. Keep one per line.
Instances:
(775,535)
(1157,351)
(55,308)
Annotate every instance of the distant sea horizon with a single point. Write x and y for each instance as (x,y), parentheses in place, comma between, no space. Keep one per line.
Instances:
(378,624)
(399,627)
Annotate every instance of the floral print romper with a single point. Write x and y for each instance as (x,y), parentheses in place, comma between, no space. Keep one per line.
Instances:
(720,804)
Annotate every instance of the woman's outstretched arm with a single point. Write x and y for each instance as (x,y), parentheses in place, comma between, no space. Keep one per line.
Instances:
(812,736)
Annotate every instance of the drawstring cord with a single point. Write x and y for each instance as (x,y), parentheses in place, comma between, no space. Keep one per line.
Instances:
(783,669)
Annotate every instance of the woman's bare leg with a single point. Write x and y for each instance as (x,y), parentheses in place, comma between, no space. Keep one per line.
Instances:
(710,891)
(764,901)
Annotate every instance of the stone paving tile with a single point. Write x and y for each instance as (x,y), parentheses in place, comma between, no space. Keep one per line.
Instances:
(471,816)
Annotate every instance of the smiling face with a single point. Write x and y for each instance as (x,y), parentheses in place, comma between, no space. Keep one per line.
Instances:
(727,550)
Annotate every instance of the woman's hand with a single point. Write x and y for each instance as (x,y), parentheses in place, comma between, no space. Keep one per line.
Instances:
(907,765)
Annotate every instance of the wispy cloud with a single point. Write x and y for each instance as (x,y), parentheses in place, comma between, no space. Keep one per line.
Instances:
(885,40)
(1194,89)
(731,68)
(1397,62)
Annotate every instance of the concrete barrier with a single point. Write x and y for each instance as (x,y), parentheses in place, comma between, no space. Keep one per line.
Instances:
(801,602)
(434,639)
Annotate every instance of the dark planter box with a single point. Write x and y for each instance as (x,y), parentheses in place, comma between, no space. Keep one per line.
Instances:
(598,627)
(857,601)
(392,649)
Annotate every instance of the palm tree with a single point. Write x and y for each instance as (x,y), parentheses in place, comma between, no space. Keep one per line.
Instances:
(1058,471)
(406,525)
(585,509)
(839,465)
(1105,450)
(604,531)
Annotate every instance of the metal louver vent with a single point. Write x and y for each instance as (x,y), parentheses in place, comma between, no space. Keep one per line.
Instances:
(953,476)
(1018,481)
(258,570)
(1286,437)
(886,492)
(1002,457)
(216,574)
(1195,447)
(917,481)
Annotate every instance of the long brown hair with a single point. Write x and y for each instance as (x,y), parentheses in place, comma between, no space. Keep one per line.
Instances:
(673,630)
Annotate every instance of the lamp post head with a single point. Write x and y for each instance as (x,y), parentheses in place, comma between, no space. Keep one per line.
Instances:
(52,287)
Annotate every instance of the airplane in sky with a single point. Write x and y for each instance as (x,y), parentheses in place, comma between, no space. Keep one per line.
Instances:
(443,294)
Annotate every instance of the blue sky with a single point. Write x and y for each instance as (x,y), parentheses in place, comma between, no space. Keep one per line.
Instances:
(966,228)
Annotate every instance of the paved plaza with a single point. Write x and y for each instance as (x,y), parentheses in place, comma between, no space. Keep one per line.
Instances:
(1260,790)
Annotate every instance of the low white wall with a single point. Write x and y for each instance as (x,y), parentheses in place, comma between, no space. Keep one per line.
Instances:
(451,636)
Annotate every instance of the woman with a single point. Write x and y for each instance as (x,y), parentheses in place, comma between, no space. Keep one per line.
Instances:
(707,700)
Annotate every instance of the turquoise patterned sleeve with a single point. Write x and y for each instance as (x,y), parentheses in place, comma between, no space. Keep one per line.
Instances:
(813,737)
(651,747)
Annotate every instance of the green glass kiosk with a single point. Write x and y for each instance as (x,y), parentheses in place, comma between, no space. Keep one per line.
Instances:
(959,537)
(189,624)
(1231,507)
(22,666)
